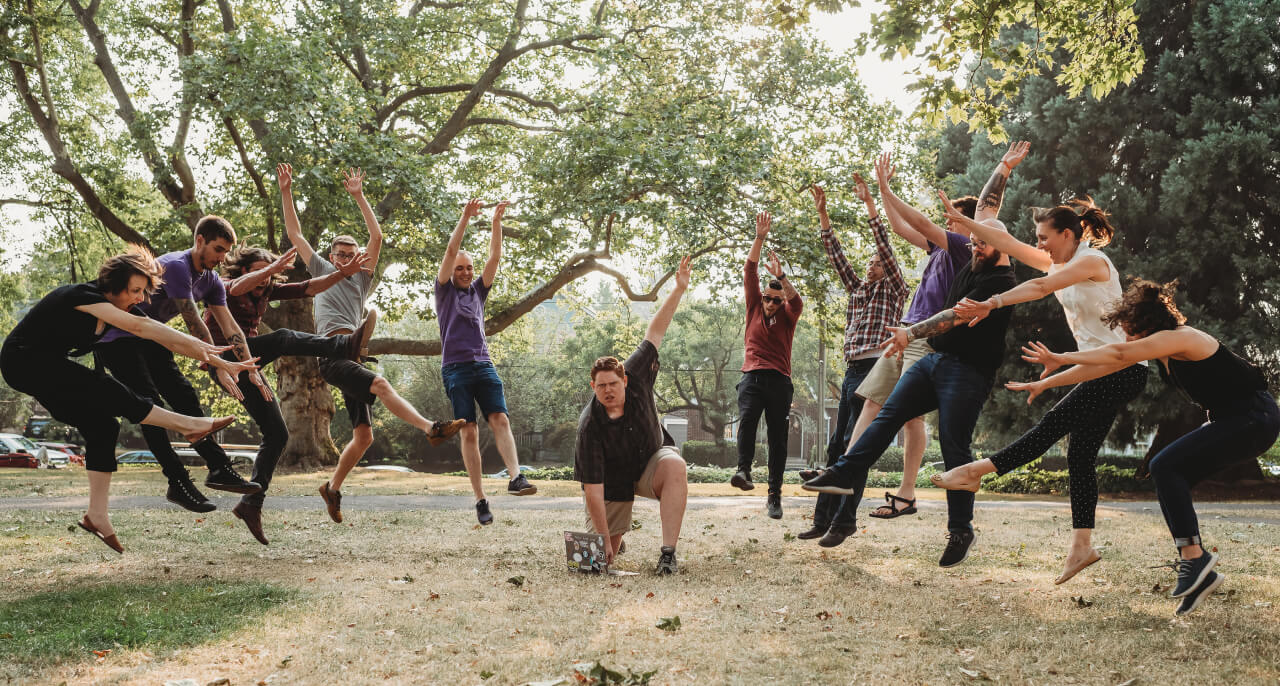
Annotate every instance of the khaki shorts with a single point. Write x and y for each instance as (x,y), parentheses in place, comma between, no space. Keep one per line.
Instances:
(618,513)
(885,374)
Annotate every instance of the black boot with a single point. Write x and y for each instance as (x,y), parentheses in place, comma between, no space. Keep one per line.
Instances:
(774,505)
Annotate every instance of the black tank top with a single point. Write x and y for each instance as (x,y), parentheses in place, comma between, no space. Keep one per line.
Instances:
(1218,382)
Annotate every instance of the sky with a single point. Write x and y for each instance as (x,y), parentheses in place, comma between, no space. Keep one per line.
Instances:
(884,80)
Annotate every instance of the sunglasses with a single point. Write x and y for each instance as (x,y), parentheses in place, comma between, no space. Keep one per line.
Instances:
(772,299)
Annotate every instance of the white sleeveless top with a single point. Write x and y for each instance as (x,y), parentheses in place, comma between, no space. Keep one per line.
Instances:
(1085,302)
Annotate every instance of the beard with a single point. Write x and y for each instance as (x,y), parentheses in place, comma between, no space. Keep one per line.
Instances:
(982,263)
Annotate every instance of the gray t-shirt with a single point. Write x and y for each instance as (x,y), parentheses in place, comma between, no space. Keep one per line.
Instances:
(342,306)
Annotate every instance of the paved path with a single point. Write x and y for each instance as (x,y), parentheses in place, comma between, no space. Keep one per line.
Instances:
(1265,512)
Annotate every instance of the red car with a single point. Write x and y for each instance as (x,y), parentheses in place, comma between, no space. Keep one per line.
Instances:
(16,451)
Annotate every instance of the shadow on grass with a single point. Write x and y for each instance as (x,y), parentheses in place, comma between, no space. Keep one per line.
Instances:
(46,628)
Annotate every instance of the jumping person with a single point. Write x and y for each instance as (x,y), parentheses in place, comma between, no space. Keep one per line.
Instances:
(148,368)
(465,365)
(948,252)
(67,323)
(624,451)
(339,310)
(874,303)
(252,281)
(765,387)
(955,380)
(1087,284)
(1243,420)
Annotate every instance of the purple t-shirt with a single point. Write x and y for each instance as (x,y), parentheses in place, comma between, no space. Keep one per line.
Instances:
(460,314)
(931,294)
(181,282)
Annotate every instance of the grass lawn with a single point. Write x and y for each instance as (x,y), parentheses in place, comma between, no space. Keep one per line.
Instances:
(430,597)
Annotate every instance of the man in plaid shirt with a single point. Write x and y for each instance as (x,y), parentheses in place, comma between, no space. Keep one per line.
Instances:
(875,303)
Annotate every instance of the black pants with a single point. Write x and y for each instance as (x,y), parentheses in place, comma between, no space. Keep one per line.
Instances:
(78,396)
(266,413)
(767,392)
(1228,436)
(148,369)
(1086,414)
(832,509)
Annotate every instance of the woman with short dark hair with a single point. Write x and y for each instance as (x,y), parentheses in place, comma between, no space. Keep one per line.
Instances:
(1243,419)
(65,323)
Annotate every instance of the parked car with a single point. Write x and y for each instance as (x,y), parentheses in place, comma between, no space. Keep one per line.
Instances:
(524,469)
(389,468)
(239,458)
(136,457)
(17,451)
(63,453)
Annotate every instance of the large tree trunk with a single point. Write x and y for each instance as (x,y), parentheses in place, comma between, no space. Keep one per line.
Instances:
(1191,418)
(304,396)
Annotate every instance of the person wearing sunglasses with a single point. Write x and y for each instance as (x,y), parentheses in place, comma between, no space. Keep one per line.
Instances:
(765,388)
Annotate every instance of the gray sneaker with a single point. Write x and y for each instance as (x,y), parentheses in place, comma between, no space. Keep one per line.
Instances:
(667,561)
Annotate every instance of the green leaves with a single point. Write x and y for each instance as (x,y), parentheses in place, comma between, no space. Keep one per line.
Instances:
(669,623)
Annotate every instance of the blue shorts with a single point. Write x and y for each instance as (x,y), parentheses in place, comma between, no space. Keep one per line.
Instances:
(469,383)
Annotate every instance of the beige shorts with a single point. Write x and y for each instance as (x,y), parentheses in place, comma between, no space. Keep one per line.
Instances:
(887,370)
(618,513)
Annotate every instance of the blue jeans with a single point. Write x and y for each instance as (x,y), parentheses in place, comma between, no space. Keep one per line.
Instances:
(834,509)
(469,383)
(1227,437)
(939,381)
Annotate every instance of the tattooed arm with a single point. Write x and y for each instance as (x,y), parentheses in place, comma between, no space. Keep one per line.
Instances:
(240,346)
(901,336)
(993,193)
(191,315)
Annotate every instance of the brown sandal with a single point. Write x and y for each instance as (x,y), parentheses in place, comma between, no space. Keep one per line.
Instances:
(111,541)
(892,503)
(218,425)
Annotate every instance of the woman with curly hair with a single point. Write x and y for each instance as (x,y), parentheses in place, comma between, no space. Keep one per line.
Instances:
(1087,284)
(66,323)
(1243,419)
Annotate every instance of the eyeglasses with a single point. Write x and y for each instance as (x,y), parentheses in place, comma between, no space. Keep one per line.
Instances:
(772,299)
(345,255)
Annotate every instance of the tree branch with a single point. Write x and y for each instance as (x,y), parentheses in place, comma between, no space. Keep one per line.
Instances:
(421,4)
(495,121)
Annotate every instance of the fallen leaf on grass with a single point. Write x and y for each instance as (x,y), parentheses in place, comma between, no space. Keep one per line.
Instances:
(649,594)
(516,581)
(669,623)
(1130,682)
(485,674)
(974,674)
(285,662)
(823,615)
(788,536)
(1081,602)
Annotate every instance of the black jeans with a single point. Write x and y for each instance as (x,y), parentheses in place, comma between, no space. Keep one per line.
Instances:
(1228,436)
(957,390)
(767,392)
(266,413)
(148,369)
(832,509)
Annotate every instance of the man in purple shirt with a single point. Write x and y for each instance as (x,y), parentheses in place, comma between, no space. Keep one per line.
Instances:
(149,370)
(469,375)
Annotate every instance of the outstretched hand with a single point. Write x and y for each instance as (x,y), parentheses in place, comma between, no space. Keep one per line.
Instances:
(1017,152)
(498,211)
(900,338)
(471,209)
(353,181)
(359,263)
(1039,353)
(284,176)
(974,310)
(764,221)
(820,201)
(682,272)
(885,169)
(1035,388)
(774,265)
(860,189)
(950,213)
(283,262)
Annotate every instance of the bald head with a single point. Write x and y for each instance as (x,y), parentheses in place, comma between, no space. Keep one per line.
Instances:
(464,271)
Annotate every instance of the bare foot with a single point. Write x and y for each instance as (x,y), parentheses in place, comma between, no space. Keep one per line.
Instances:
(958,479)
(1077,560)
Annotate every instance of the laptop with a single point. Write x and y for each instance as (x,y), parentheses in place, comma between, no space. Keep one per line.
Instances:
(585,552)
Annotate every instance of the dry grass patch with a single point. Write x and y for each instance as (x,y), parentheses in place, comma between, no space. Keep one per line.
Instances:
(424,597)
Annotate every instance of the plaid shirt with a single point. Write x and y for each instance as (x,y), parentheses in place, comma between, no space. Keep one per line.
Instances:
(872,305)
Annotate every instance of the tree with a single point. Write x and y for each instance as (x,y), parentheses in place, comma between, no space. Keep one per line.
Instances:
(701,362)
(1093,44)
(1184,158)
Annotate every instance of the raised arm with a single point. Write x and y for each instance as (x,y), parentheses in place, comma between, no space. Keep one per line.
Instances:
(764,221)
(471,209)
(246,282)
(998,238)
(775,268)
(495,246)
(1087,269)
(993,193)
(835,253)
(359,263)
(884,251)
(662,318)
(292,229)
(901,223)
(353,182)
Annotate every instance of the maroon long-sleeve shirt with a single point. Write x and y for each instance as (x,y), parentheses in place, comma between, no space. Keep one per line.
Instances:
(767,339)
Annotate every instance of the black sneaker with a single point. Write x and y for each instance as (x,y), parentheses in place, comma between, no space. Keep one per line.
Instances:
(667,561)
(827,482)
(815,532)
(1193,599)
(521,486)
(183,493)
(482,511)
(774,505)
(957,549)
(226,479)
(742,480)
(1192,573)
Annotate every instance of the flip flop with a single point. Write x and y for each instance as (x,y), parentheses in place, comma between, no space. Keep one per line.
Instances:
(218,425)
(892,503)
(111,541)
(1068,573)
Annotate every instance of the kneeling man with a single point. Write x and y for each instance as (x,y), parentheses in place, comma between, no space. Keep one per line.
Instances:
(623,451)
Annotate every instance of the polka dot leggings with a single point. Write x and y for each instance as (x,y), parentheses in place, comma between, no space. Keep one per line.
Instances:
(1086,414)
